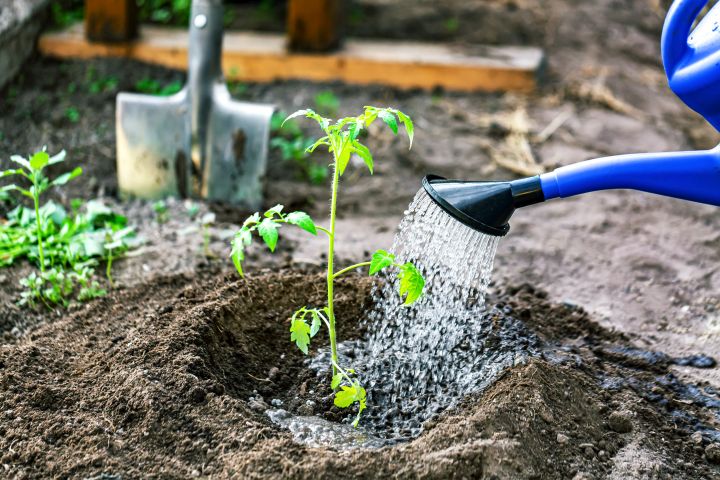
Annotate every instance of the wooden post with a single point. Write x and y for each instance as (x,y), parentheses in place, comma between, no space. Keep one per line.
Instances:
(314,25)
(111,20)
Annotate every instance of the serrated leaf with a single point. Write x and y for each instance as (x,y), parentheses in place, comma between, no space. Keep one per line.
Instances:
(380,259)
(66,177)
(254,218)
(344,158)
(409,127)
(300,334)
(412,283)
(355,129)
(245,236)
(389,119)
(336,379)
(274,211)
(268,230)
(39,160)
(345,397)
(316,323)
(364,153)
(302,220)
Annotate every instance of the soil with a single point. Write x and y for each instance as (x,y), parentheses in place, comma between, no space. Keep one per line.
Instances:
(156,380)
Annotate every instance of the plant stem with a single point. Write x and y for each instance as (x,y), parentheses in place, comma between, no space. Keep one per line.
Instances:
(108,269)
(330,272)
(351,267)
(36,201)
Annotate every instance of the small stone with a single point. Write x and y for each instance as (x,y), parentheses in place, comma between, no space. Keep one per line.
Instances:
(276,402)
(712,453)
(562,438)
(198,394)
(195,473)
(697,438)
(620,421)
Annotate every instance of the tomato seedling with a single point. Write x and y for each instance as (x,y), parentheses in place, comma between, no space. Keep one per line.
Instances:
(341,140)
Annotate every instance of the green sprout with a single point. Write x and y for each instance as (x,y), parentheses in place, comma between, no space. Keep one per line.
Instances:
(327,103)
(341,140)
(65,246)
(32,170)
(161,211)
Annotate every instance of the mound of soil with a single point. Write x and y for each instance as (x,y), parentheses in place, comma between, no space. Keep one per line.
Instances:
(173,380)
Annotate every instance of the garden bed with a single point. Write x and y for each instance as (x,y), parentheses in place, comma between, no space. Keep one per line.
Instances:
(175,378)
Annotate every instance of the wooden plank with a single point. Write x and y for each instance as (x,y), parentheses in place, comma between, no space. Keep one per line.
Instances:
(262,57)
(111,20)
(314,25)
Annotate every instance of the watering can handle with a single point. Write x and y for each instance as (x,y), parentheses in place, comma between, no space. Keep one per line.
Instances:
(678,23)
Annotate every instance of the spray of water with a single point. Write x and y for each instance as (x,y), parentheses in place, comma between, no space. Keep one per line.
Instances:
(424,358)
(420,360)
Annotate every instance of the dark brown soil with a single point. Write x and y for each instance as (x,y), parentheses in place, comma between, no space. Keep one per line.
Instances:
(156,382)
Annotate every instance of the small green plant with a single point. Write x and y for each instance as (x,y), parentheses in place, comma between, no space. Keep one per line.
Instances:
(72,114)
(66,247)
(293,146)
(154,87)
(162,215)
(295,150)
(32,170)
(327,103)
(341,141)
(175,12)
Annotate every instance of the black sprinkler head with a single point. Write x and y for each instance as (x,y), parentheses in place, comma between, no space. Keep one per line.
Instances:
(484,206)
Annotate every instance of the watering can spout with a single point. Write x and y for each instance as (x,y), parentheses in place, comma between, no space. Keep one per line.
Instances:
(691,57)
(487,206)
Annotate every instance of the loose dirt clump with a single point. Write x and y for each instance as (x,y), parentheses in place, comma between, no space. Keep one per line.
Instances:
(173,379)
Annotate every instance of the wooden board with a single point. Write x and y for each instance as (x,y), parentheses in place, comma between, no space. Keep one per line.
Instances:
(262,57)
(314,25)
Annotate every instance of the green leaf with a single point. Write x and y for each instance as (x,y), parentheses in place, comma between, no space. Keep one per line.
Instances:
(336,379)
(268,230)
(60,157)
(355,129)
(274,211)
(20,160)
(344,158)
(66,177)
(320,141)
(302,220)
(316,322)
(238,251)
(300,334)
(346,397)
(389,119)
(298,113)
(245,236)
(412,283)
(39,160)
(381,259)
(252,219)
(364,153)
(409,128)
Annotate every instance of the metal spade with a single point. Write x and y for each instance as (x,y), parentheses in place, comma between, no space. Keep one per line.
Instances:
(198,142)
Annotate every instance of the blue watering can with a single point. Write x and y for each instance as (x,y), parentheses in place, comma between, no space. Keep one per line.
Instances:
(692,62)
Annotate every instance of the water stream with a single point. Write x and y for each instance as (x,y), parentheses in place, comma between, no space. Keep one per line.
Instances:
(420,360)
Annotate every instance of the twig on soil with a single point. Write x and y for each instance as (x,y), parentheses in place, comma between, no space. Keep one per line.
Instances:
(553,126)
(598,93)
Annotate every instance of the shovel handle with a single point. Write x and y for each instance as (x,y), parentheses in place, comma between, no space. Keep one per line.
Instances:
(204,71)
